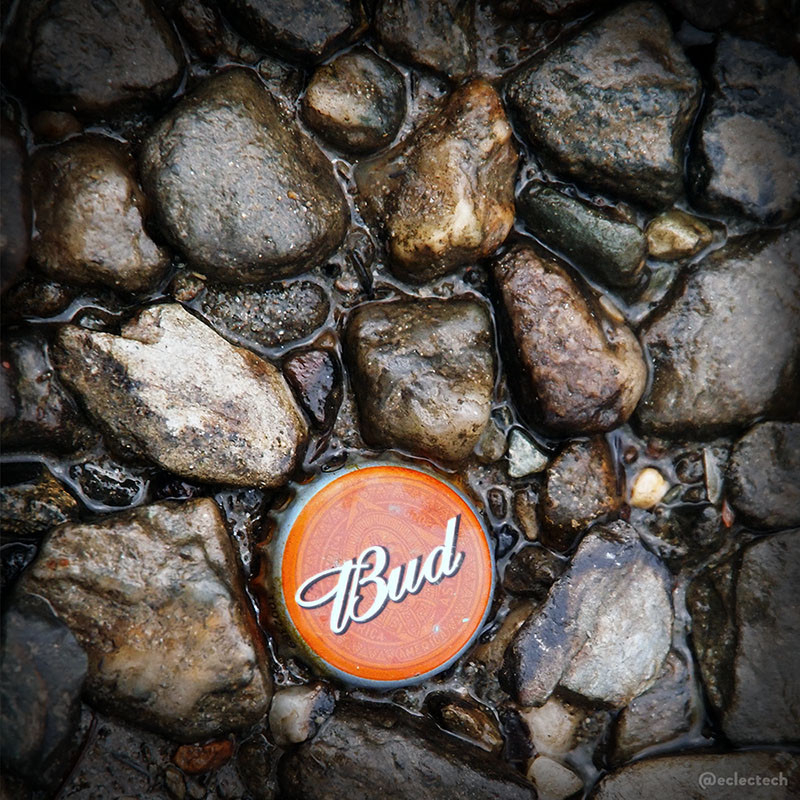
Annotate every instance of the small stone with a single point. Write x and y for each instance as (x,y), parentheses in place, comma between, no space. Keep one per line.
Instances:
(15,206)
(430,33)
(582,369)
(554,727)
(35,506)
(467,718)
(43,669)
(90,217)
(316,378)
(726,347)
(678,776)
(298,29)
(612,106)
(174,783)
(676,234)
(764,475)
(617,596)
(492,445)
(362,747)
(256,762)
(258,316)
(357,101)
(195,759)
(532,571)
(202,24)
(524,457)
(37,411)
(297,712)
(748,149)
(580,487)
(615,251)
(94,58)
(423,374)
(238,187)
(553,780)
(154,597)
(171,389)
(446,194)
(648,488)
(525,513)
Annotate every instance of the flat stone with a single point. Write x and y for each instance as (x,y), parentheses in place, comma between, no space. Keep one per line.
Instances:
(676,234)
(34,506)
(582,369)
(364,748)
(524,457)
(747,158)
(746,635)
(94,57)
(611,107)
(154,597)
(357,101)
(445,195)
(90,217)
(710,776)
(423,373)
(726,348)
(316,378)
(605,628)
(298,29)
(258,316)
(764,475)
(612,250)
(436,34)
(238,187)
(581,486)
(171,389)
(43,669)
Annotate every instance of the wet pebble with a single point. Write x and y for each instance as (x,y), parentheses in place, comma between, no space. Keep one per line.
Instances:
(611,107)
(90,215)
(153,595)
(467,718)
(238,187)
(582,368)
(34,506)
(764,475)
(581,486)
(423,374)
(676,234)
(194,759)
(316,378)
(532,571)
(15,205)
(171,389)
(524,457)
(446,194)
(356,102)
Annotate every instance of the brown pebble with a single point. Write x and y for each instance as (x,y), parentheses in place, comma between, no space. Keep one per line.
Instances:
(196,758)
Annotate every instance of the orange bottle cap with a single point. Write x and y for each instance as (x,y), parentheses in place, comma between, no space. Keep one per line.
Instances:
(385,574)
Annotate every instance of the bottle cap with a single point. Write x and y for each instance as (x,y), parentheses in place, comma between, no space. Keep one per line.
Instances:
(384,574)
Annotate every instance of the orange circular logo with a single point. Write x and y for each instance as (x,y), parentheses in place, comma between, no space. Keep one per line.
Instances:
(386,574)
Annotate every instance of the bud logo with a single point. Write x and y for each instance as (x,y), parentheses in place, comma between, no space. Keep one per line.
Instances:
(385,574)
(368,570)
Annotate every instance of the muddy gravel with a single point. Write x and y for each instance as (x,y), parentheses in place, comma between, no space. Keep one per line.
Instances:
(547,250)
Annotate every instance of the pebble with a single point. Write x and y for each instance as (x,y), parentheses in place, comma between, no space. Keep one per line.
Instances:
(648,488)
(552,779)
(15,205)
(676,234)
(524,457)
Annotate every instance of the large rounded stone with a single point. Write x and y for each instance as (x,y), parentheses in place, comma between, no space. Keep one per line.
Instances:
(238,187)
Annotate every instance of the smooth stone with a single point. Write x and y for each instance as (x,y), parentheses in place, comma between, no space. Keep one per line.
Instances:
(94,58)
(201,22)
(258,316)
(90,217)
(467,718)
(707,776)
(726,348)
(532,571)
(582,368)
(357,101)
(171,389)
(613,250)
(764,475)
(37,411)
(524,457)
(238,187)
(33,507)
(435,34)
(316,379)
(445,195)
(154,597)
(423,373)
(43,669)
(552,779)
(747,158)
(581,486)
(676,234)
(746,634)
(15,206)
(298,29)
(612,106)
(367,749)
(605,628)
